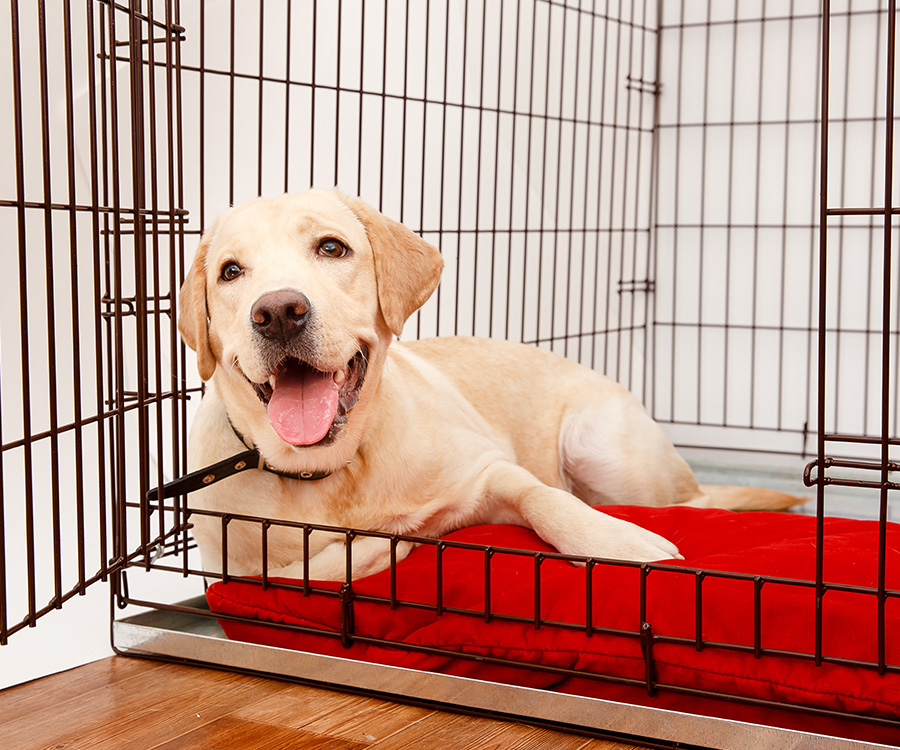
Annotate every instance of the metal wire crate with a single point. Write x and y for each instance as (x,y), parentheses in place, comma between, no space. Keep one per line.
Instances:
(692,197)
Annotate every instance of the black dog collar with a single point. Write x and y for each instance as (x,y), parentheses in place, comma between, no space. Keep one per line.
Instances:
(248,459)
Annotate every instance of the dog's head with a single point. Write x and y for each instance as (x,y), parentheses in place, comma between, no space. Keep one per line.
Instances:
(290,305)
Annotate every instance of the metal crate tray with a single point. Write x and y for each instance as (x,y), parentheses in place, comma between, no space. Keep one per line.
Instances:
(200,640)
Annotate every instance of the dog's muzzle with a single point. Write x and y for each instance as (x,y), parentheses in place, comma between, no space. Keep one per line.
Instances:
(308,406)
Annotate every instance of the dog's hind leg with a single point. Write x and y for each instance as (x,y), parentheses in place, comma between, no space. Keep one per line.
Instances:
(611,452)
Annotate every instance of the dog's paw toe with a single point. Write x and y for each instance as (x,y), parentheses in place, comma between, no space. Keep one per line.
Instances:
(620,540)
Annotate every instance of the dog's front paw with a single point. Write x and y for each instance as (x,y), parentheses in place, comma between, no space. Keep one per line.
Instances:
(605,536)
(642,546)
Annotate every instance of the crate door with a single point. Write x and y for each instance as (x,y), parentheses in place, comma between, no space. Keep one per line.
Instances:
(92,226)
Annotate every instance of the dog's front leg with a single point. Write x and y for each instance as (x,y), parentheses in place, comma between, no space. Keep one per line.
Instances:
(368,555)
(564,521)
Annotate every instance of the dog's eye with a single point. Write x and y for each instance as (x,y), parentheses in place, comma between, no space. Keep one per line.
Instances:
(332,249)
(230,271)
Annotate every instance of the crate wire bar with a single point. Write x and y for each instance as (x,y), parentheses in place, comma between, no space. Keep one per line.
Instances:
(695,198)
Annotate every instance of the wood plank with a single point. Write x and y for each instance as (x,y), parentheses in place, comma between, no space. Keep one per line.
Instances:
(137,714)
(349,717)
(18,702)
(371,720)
(475,733)
(132,704)
(229,732)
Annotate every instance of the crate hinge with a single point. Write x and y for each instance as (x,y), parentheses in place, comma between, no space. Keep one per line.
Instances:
(636,286)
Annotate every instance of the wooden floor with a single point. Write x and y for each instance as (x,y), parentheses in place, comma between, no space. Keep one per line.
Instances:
(127,704)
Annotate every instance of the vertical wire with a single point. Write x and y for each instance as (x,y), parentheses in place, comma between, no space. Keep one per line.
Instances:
(462,162)
(559,140)
(653,221)
(443,154)
(729,237)
(478,160)
(602,153)
(103,356)
(337,95)
(570,221)
(312,95)
(871,232)
(839,261)
(155,255)
(634,230)
(287,96)
(701,249)
(641,30)
(527,213)
(756,223)
(201,116)
(384,52)
(138,201)
(814,212)
(886,327)
(586,187)
(114,293)
(622,228)
(176,272)
(359,124)
(112,258)
(822,320)
(73,291)
(495,219)
(231,103)
(18,135)
(402,211)
(896,428)
(403,109)
(50,306)
(174,220)
(543,193)
(784,216)
(512,171)
(424,138)
(609,326)
(260,99)
(676,206)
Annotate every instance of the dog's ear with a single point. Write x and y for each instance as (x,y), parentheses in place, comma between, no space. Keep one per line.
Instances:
(407,269)
(193,316)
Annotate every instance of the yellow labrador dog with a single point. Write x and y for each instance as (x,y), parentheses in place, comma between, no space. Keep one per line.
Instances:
(292,306)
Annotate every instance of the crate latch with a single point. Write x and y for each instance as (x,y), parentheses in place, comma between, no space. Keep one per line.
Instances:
(647,650)
(346,597)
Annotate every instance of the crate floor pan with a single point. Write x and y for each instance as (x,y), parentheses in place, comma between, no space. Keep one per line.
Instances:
(199,639)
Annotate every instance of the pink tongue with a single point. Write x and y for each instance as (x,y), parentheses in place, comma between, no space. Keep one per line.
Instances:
(303,405)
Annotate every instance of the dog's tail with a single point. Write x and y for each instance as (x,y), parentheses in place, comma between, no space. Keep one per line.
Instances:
(731,497)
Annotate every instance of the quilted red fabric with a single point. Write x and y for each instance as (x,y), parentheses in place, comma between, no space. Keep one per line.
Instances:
(773,545)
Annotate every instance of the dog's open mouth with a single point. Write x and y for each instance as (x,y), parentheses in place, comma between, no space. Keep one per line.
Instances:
(307,405)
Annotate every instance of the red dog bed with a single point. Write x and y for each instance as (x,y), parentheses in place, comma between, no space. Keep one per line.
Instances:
(736,654)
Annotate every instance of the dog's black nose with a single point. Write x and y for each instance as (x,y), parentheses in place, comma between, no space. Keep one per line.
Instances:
(280,315)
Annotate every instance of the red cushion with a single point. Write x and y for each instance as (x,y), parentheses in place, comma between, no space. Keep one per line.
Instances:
(766,544)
